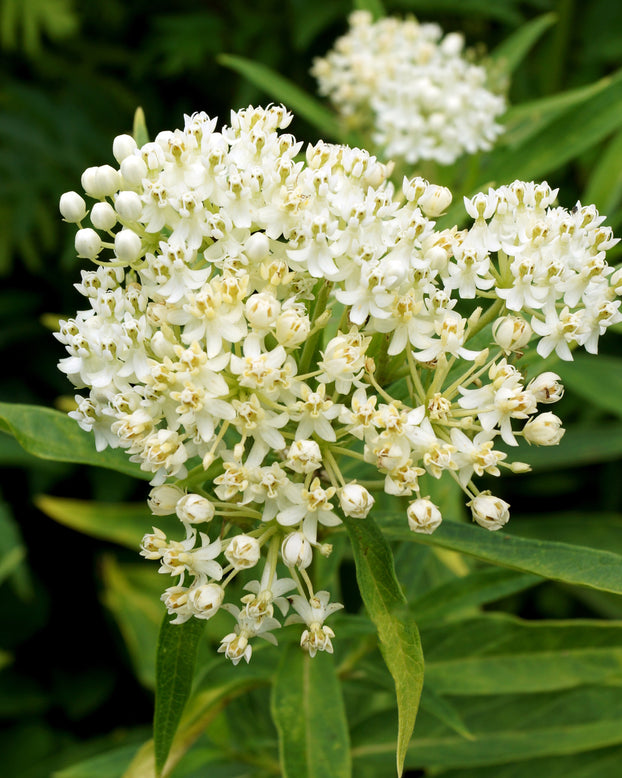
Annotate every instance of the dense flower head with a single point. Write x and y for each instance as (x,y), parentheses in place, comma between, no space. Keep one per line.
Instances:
(413,86)
(260,324)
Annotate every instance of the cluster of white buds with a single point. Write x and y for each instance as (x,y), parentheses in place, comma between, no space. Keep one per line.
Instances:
(259,326)
(413,88)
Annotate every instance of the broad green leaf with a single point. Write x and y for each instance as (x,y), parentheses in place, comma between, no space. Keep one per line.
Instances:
(397,632)
(499,654)
(375,7)
(110,764)
(282,89)
(50,434)
(131,593)
(596,530)
(222,684)
(122,523)
(597,378)
(505,728)
(604,186)
(562,140)
(514,49)
(558,561)
(461,595)
(308,710)
(601,763)
(443,710)
(175,662)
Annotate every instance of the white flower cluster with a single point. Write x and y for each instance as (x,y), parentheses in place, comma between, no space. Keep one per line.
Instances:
(259,326)
(413,87)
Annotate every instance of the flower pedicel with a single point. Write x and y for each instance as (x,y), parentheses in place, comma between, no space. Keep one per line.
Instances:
(258,327)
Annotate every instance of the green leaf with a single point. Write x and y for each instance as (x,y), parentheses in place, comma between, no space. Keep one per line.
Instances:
(12,549)
(461,595)
(500,654)
(122,523)
(558,561)
(398,634)
(514,49)
(597,378)
(444,711)
(139,130)
(50,434)
(175,661)
(375,7)
(506,728)
(282,89)
(309,714)
(110,764)
(581,445)
(596,530)
(561,141)
(503,11)
(604,186)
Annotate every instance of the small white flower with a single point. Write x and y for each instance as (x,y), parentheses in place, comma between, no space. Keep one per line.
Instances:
(194,509)
(206,599)
(163,499)
(243,552)
(545,429)
(296,550)
(355,500)
(489,512)
(313,613)
(423,516)
(72,207)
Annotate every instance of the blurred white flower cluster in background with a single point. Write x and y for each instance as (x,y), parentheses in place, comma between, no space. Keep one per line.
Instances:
(412,88)
(264,324)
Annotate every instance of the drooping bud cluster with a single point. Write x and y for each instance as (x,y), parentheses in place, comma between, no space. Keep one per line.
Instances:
(260,326)
(414,88)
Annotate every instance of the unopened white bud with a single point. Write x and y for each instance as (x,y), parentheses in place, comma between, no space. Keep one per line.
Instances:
(545,429)
(355,501)
(546,388)
(127,245)
(163,499)
(262,309)
(88,243)
(489,512)
(128,205)
(72,207)
(205,600)
(423,516)
(435,200)
(511,333)
(133,170)
(297,551)
(243,552)
(304,456)
(100,182)
(103,216)
(257,246)
(153,544)
(520,467)
(292,328)
(123,146)
(194,509)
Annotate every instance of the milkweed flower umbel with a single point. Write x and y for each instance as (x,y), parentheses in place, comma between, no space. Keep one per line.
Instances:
(259,325)
(412,87)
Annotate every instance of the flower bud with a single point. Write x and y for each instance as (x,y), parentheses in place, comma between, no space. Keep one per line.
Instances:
(133,170)
(103,216)
(153,544)
(544,430)
(292,329)
(435,200)
(163,499)
(511,333)
(304,456)
(88,243)
(123,146)
(355,501)
(297,551)
(127,245)
(100,182)
(489,512)
(262,310)
(243,552)
(257,246)
(423,516)
(128,205)
(194,509)
(72,207)
(206,599)
(546,388)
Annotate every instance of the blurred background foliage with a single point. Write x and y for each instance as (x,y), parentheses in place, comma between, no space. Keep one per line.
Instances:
(78,623)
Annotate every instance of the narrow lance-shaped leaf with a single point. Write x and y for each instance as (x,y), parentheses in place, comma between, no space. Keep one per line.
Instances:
(50,434)
(514,49)
(398,634)
(309,714)
(176,657)
(282,89)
